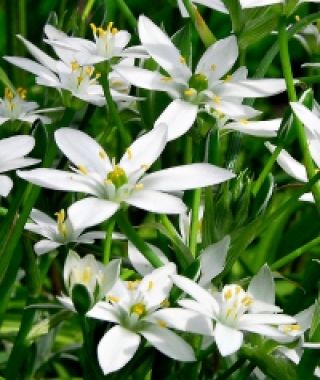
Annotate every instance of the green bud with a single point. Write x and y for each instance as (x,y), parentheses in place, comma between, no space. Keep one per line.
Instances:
(81,298)
(117,176)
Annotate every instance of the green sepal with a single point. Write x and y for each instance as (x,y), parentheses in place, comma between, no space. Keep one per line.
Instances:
(81,298)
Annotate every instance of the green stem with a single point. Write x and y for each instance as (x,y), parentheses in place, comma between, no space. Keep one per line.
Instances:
(295,254)
(287,71)
(235,366)
(108,241)
(127,13)
(202,28)
(266,170)
(194,228)
(85,14)
(129,231)
(112,108)
(314,79)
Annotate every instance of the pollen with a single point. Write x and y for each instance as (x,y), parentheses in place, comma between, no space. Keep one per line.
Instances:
(166,79)
(216,99)
(74,65)
(189,92)
(182,60)
(22,92)
(60,216)
(161,323)
(102,155)
(113,298)
(139,186)
(228,294)
(228,78)
(244,121)
(129,153)
(82,169)
(213,67)
(138,308)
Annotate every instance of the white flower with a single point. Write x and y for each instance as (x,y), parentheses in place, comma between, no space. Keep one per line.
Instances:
(292,167)
(12,152)
(185,222)
(138,308)
(108,43)
(261,3)
(66,229)
(205,88)
(110,184)
(13,106)
(213,4)
(88,273)
(230,309)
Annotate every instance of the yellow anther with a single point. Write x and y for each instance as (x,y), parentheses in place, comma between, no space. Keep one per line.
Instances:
(227,294)
(101,32)
(80,79)
(82,169)
(132,285)
(182,60)
(102,155)
(60,222)
(129,153)
(165,303)
(138,308)
(228,78)
(297,17)
(60,216)
(22,92)
(166,79)
(139,186)
(86,275)
(229,312)
(93,27)
(113,299)
(150,285)
(189,92)
(8,94)
(247,301)
(244,121)
(114,31)
(89,70)
(145,166)
(161,323)
(74,65)
(213,67)
(216,99)
(109,26)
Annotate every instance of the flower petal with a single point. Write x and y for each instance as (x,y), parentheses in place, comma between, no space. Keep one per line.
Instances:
(15,147)
(168,343)
(186,177)
(228,340)
(155,201)
(265,128)
(41,218)
(90,211)
(308,118)
(253,88)
(258,3)
(104,312)
(83,150)
(44,246)
(289,164)
(262,286)
(6,185)
(116,348)
(179,117)
(269,319)
(17,163)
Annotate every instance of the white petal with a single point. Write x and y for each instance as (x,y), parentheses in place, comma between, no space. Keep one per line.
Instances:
(155,201)
(253,88)
(219,58)
(39,55)
(267,128)
(195,306)
(184,320)
(258,3)
(272,319)
(15,147)
(234,110)
(17,163)
(57,180)
(168,343)
(6,185)
(41,218)
(289,164)
(198,293)
(307,197)
(265,330)
(145,150)
(3,119)
(228,340)
(66,302)
(262,286)
(111,274)
(308,118)
(82,150)
(104,312)
(213,4)
(44,246)
(116,348)
(186,177)
(314,147)
(213,259)
(179,117)
(140,263)
(90,211)
(161,49)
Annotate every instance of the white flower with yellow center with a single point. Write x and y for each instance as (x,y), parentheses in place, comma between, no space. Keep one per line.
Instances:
(108,43)
(138,308)
(12,156)
(110,184)
(89,275)
(66,229)
(230,309)
(207,88)
(13,106)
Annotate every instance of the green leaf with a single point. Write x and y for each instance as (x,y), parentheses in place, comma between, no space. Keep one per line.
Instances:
(5,80)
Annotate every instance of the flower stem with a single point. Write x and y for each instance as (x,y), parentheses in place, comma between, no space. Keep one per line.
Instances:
(194,228)
(235,366)
(108,241)
(202,28)
(287,71)
(129,231)
(112,108)
(126,11)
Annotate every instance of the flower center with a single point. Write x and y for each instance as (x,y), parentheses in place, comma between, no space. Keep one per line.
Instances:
(138,308)
(199,82)
(61,225)
(117,176)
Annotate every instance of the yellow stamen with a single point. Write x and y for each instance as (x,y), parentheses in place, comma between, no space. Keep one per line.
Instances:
(166,79)
(89,70)
(139,308)
(139,186)
(80,79)
(109,26)
(244,121)
(22,92)
(132,285)
(101,32)
(189,92)
(247,301)
(60,216)
(113,299)
(114,31)
(228,78)
(102,154)
(60,222)
(129,153)
(161,323)
(238,289)
(228,294)
(98,75)
(182,60)
(213,67)
(82,169)
(216,99)
(8,94)
(93,27)
(74,65)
